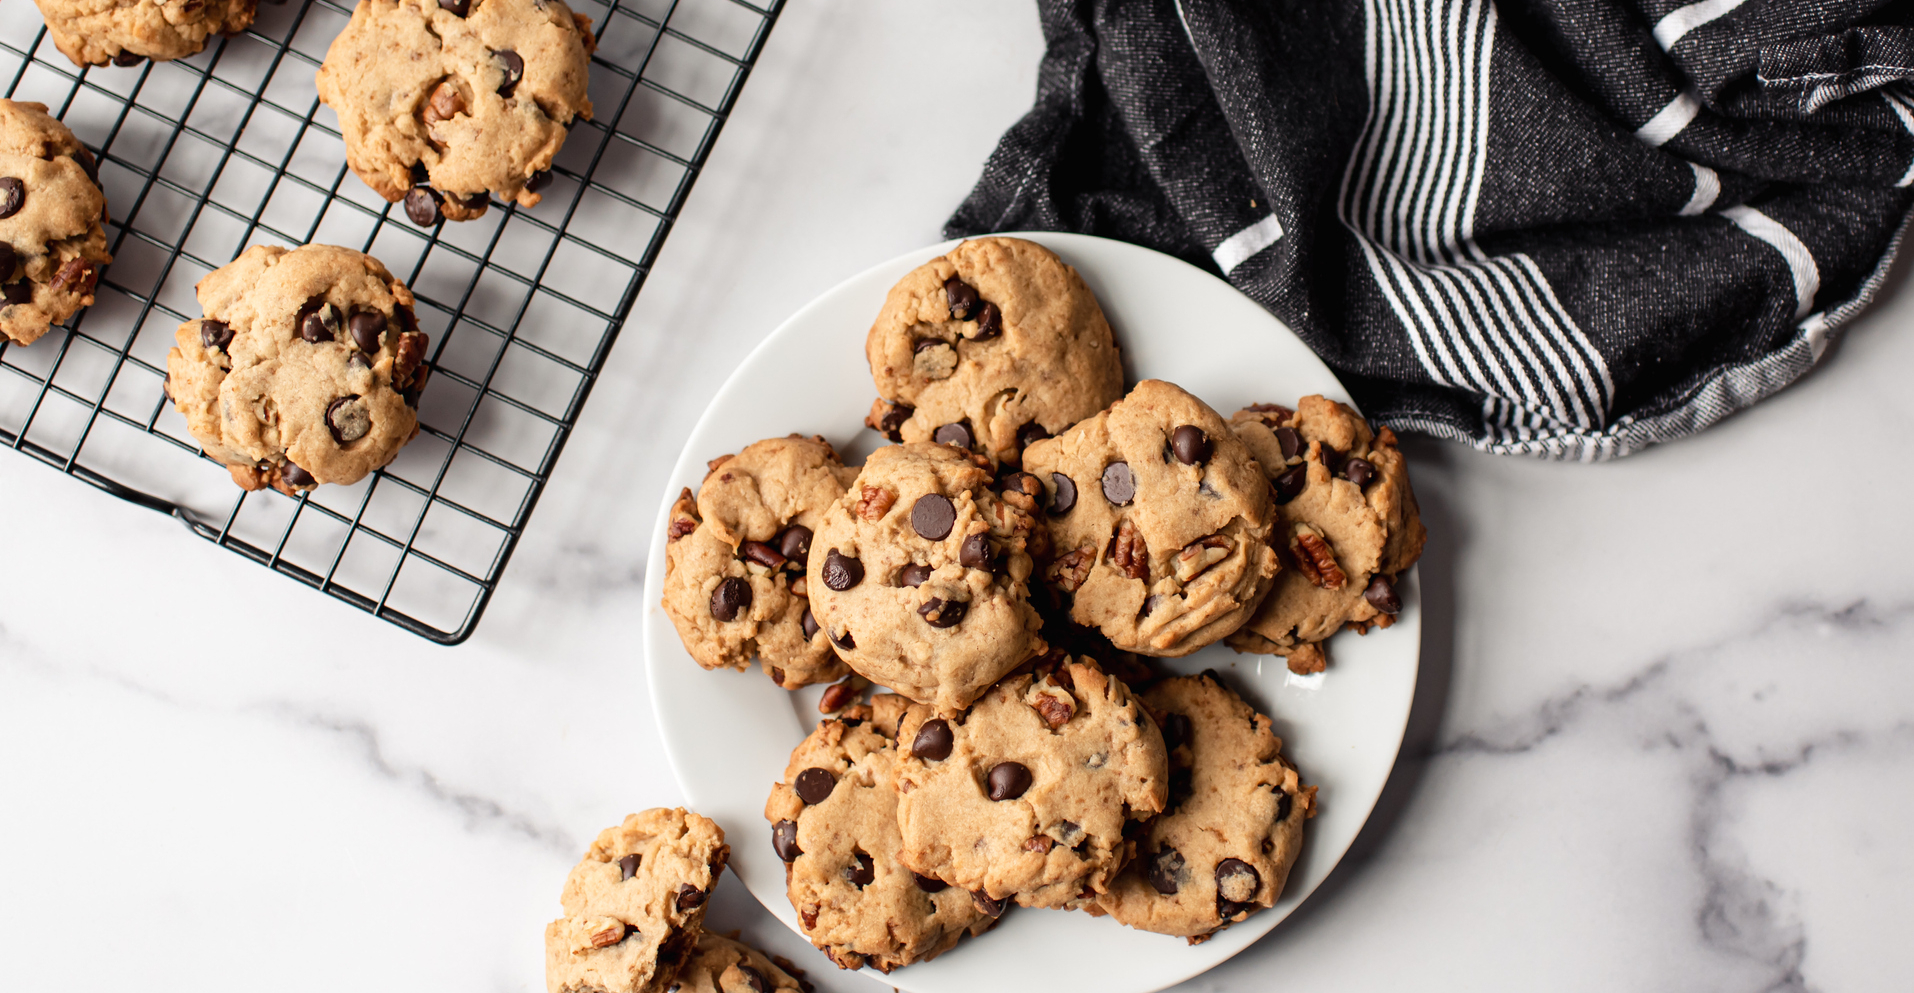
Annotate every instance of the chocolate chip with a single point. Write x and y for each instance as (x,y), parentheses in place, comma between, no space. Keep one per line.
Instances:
(926,344)
(1190,444)
(894,419)
(348,419)
(913,575)
(940,613)
(954,434)
(9,260)
(992,909)
(1151,602)
(628,867)
(814,785)
(794,543)
(1176,730)
(1008,780)
(933,741)
(763,554)
(475,201)
(1291,442)
(367,327)
(732,596)
(1359,471)
(320,323)
(1031,433)
(930,884)
(458,8)
(810,624)
(1291,482)
(1236,885)
(1331,458)
(215,334)
(514,71)
(961,297)
(295,476)
(1381,595)
(932,516)
(126,60)
(1165,866)
(540,179)
(1065,497)
(784,840)
(844,641)
(754,979)
(419,176)
(1119,484)
(13,196)
(990,323)
(841,572)
(17,293)
(862,872)
(422,205)
(1282,806)
(690,897)
(975,551)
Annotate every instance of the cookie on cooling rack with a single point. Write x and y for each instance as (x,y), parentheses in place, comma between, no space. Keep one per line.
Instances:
(52,243)
(444,102)
(306,368)
(735,559)
(634,906)
(1346,525)
(123,32)
(990,347)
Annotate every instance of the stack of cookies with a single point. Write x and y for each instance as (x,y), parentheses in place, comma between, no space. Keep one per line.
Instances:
(1001,578)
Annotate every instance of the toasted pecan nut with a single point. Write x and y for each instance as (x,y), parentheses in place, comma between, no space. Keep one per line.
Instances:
(1055,709)
(1314,559)
(1072,569)
(609,936)
(412,345)
(1128,553)
(875,502)
(1307,658)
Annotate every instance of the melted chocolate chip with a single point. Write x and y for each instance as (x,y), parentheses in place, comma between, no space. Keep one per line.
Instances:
(1008,780)
(1151,602)
(1331,458)
(1290,441)
(295,476)
(348,419)
(990,323)
(358,360)
(627,867)
(215,334)
(814,785)
(810,624)
(794,543)
(841,572)
(320,323)
(1065,497)
(754,979)
(1031,433)
(1381,595)
(690,897)
(784,840)
(975,551)
(894,419)
(930,884)
(13,196)
(458,8)
(514,71)
(913,575)
(992,909)
(732,597)
(17,293)
(1291,482)
(954,434)
(1236,885)
(932,516)
(422,205)
(367,327)
(961,297)
(940,613)
(126,60)
(1359,471)
(933,741)
(844,641)
(1283,804)
(1165,866)
(862,872)
(1119,484)
(1190,444)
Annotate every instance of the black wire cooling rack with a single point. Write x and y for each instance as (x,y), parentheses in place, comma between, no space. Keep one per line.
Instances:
(203,157)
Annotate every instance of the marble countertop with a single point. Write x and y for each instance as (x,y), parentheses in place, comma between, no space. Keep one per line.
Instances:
(1663,738)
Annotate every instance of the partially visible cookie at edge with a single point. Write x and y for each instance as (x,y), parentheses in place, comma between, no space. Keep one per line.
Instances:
(52,217)
(726,965)
(1347,526)
(634,906)
(124,32)
(990,347)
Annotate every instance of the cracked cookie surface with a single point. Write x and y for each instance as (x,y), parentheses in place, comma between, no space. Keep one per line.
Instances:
(52,242)
(735,560)
(1028,794)
(990,347)
(835,817)
(443,103)
(1159,522)
(1346,523)
(95,32)
(919,576)
(305,369)
(1234,825)
(634,906)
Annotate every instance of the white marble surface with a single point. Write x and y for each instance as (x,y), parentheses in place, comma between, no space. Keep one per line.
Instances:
(1664,738)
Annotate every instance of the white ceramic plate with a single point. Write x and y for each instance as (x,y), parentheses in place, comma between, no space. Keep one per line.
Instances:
(729,734)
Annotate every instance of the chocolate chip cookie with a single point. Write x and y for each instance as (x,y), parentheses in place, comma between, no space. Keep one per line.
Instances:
(634,907)
(1224,847)
(442,102)
(1346,524)
(306,368)
(721,965)
(991,347)
(834,823)
(735,559)
(1159,520)
(1027,796)
(52,244)
(919,576)
(123,32)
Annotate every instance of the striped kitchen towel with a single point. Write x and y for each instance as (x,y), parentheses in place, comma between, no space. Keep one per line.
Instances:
(1565,228)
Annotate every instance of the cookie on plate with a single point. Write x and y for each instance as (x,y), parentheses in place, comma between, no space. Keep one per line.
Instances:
(989,348)
(834,823)
(95,32)
(442,102)
(52,243)
(1346,524)
(634,906)
(1027,795)
(735,558)
(1224,847)
(723,965)
(919,576)
(306,368)
(1159,522)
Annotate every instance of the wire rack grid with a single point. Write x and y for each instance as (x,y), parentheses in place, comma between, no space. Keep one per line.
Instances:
(204,157)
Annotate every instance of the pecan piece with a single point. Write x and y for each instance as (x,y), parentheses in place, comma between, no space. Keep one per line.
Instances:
(1314,559)
(609,936)
(1072,569)
(1199,555)
(1307,658)
(809,913)
(684,517)
(1056,709)
(875,503)
(841,694)
(76,276)
(412,346)
(1128,553)
(445,104)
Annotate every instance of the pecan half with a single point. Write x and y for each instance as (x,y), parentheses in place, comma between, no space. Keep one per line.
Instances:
(609,936)
(1199,555)
(875,503)
(1128,553)
(1314,559)
(412,345)
(1072,569)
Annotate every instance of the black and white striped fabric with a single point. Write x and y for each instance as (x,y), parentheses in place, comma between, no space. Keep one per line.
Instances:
(1563,228)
